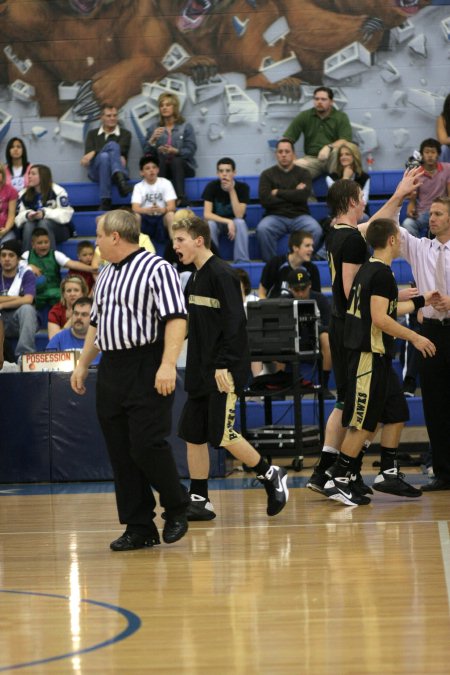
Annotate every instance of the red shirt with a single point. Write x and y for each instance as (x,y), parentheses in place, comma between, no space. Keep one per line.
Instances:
(57,315)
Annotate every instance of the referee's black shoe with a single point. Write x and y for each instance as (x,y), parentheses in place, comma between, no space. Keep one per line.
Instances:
(436,484)
(175,528)
(392,482)
(130,541)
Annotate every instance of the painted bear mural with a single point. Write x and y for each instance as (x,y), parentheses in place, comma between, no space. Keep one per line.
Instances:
(115,45)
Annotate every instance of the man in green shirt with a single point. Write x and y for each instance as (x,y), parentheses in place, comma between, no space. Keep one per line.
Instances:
(324,129)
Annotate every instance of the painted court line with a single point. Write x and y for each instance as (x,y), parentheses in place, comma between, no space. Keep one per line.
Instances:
(445,548)
(254,526)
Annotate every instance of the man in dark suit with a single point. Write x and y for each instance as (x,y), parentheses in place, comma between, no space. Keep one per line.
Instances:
(106,153)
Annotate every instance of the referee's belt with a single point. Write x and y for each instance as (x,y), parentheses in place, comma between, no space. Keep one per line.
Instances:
(437,322)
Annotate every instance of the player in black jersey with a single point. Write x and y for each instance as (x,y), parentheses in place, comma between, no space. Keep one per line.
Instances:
(374,394)
(217,369)
(347,251)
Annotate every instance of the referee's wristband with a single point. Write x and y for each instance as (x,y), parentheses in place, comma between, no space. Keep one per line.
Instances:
(418,302)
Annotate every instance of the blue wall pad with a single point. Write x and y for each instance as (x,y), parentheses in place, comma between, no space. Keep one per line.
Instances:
(25,439)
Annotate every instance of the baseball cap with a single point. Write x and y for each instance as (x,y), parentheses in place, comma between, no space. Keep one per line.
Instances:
(299,278)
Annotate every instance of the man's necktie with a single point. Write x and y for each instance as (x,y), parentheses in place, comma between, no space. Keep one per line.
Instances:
(441,281)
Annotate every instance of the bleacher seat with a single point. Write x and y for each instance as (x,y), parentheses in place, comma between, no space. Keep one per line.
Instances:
(84,197)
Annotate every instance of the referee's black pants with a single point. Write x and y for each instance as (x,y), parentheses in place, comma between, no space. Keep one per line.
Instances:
(136,421)
(435,384)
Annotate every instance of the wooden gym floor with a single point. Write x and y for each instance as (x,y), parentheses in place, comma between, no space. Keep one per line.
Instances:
(320,589)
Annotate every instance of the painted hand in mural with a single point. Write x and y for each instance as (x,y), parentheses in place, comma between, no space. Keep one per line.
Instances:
(118,44)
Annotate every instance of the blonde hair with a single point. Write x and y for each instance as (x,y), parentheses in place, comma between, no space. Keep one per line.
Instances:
(182,214)
(73,279)
(174,100)
(195,227)
(335,166)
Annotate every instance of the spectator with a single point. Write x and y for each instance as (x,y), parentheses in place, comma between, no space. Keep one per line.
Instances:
(299,283)
(74,336)
(2,342)
(283,191)
(347,164)
(106,153)
(8,203)
(17,293)
(85,254)
(225,203)
(276,271)
(44,204)
(17,165)
(173,141)
(45,263)
(246,287)
(435,182)
(154,200)
(324,129)
(443,130)
(59,316)
(248,296)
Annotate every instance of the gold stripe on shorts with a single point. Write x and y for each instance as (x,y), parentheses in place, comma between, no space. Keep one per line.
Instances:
(230,435)
(362,392)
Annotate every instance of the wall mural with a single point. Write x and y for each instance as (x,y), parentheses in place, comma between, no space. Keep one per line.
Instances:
(241,68)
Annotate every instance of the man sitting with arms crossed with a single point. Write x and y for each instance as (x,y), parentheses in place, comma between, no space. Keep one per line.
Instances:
(283,192)
(74,337)
(17,293)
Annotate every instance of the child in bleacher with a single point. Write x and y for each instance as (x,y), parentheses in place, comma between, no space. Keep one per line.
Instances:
(85,254)
(46,264)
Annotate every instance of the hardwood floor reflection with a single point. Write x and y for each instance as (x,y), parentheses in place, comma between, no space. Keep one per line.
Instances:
(319,589)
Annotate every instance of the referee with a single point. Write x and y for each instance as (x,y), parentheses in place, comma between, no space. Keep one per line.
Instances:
(138,321)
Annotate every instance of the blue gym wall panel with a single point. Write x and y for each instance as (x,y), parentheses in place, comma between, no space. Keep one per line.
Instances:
(78,448)
(24,431)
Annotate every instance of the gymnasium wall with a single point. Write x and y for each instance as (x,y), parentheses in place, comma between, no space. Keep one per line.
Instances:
(242,69)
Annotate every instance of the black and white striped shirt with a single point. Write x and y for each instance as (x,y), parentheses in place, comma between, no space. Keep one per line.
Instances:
(133,299)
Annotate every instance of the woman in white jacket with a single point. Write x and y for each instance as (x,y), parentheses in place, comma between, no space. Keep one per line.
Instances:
(43,204)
